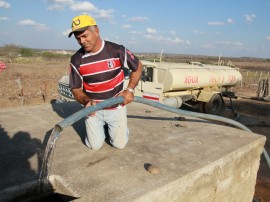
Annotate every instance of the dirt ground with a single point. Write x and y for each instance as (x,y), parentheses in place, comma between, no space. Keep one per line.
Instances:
(19,88)
(255,115)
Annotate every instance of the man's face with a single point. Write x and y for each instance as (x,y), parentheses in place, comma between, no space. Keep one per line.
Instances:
(88,39)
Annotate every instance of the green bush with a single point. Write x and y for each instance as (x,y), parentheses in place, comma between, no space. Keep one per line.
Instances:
(22,54)
(27,52)
(52,55)
(9,51)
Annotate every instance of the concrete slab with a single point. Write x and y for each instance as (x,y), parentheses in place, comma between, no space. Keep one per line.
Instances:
(197,160)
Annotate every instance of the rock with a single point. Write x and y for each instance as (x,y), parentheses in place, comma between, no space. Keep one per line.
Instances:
(151,168)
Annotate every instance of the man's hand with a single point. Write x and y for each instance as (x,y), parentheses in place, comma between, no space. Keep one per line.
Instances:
(82,98)
(128,96)
(90,103)
(134,78)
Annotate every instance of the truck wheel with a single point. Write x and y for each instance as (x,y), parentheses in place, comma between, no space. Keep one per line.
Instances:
(201,106)
(215,105)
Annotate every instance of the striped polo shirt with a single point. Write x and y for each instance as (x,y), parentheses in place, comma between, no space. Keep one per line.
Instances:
(101,74)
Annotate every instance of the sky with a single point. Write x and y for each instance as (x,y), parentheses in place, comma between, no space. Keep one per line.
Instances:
(239,28)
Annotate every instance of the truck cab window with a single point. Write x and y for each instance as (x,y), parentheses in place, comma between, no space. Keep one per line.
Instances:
(147,74)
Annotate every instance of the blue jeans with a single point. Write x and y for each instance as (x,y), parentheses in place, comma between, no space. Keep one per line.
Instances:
(116,119)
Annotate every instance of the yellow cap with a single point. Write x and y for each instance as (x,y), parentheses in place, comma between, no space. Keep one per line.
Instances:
(81,23)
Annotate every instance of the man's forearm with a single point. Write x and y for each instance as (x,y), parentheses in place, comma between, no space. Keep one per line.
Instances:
(80,96)
(135,77)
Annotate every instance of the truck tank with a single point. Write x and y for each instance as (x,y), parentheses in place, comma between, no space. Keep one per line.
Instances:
(181,76)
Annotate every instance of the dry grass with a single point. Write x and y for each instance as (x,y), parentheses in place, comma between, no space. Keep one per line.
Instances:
(31,84)
(32,81)
(256,65)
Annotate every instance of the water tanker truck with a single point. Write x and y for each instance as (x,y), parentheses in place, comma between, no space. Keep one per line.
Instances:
(191,84)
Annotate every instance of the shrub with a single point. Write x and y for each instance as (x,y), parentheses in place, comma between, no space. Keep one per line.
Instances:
(9,51)
(27,52)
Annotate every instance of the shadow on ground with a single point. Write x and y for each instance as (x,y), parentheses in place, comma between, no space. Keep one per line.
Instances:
(16,152)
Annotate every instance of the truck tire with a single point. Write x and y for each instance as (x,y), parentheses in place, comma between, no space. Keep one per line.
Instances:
(215,105)
(201,106)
